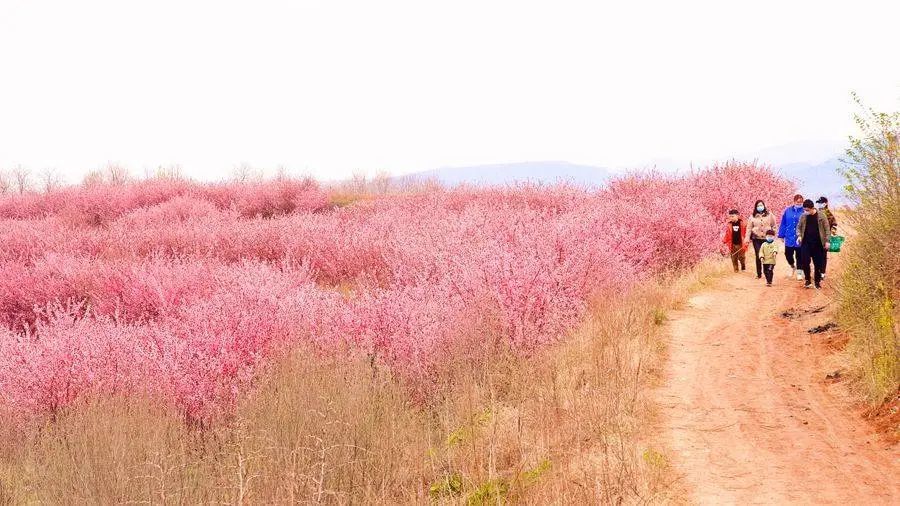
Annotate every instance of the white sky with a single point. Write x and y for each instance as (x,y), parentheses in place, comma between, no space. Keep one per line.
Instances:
(332,87)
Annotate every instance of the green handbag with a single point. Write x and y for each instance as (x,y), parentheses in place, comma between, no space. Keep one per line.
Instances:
(834,246)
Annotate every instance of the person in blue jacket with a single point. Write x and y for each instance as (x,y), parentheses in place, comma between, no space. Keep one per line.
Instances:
(787,231)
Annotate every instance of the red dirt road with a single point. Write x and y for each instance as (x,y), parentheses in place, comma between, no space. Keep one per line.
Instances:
(748,415)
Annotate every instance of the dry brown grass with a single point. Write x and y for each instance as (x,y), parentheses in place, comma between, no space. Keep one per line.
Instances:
(565,426)
(363,189)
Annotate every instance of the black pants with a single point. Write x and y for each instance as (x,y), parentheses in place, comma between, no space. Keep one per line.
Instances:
(790,253)
(769,270)
(825,262)
(816,253)
(757,243)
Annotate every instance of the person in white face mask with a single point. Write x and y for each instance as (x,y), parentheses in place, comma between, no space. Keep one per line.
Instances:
(757,225)
(787,231)
(768,253)
(814,237)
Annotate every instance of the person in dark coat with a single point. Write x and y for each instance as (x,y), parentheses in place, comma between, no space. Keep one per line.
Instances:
(813,234)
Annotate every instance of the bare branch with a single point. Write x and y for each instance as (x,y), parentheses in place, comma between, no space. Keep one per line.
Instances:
(93,178)
(116,174)
(6,184)
(22,178)
(245,173)
(51,180)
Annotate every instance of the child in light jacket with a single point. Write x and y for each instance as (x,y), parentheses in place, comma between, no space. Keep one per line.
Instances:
(768,253)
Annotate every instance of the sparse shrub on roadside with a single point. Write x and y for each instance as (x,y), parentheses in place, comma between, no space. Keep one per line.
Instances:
(869,292)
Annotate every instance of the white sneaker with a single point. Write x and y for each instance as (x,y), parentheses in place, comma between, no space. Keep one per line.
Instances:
(823,276)
(800,276)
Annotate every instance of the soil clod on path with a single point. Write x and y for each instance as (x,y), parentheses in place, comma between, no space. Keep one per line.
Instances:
(818,329)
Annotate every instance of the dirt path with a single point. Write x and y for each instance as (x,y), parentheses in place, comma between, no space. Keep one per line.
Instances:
(748,414)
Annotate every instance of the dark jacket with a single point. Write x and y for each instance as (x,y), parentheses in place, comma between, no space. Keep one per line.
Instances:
(824,228)
(832,221)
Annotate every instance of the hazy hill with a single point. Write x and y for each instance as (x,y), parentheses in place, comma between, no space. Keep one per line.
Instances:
(817,179)
(812,164)
(498,174)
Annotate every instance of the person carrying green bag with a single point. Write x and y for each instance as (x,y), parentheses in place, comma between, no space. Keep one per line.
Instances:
(813,235)
(822,206)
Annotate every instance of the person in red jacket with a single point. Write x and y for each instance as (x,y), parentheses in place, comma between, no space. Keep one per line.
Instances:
(735,232)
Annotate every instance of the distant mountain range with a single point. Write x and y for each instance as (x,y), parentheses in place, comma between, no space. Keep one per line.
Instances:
(819,179)
(813,165)
(506,173)
(809,152)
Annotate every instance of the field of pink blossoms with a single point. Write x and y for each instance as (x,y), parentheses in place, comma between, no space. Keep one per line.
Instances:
(187,291)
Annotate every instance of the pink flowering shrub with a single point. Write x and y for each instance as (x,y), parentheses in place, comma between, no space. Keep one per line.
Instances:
(268,199)
(99,204)
(66,355)
(732,185)
(200,354)
(188,290)
(130,291)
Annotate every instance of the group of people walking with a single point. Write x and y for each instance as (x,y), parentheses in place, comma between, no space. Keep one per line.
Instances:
(805,228)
